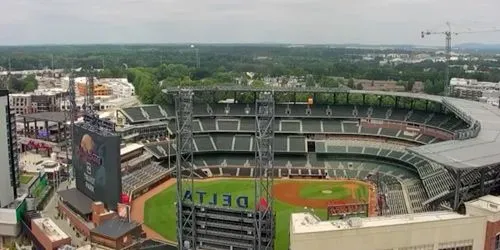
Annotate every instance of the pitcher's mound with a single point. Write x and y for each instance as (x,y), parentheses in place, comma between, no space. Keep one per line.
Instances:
(326,191)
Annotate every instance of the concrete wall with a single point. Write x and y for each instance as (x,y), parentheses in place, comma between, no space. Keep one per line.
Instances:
(395,236)
(10,229)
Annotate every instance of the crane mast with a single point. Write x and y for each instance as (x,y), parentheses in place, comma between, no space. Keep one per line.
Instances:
(89,97)
(448,35)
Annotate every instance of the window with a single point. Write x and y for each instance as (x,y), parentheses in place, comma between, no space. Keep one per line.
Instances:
(457,245)
(457,248)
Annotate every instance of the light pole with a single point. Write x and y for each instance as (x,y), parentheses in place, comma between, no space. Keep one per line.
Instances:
(196,51)
(168,145)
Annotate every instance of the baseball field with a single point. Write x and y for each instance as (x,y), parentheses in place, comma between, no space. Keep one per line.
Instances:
(290,196)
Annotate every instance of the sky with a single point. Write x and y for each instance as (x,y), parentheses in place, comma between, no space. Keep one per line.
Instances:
(25,22)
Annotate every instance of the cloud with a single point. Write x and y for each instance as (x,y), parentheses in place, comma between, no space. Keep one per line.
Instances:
(289,21)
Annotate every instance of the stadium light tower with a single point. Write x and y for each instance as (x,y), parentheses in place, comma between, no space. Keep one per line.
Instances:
(264,157)
(70,117)
(196,51)
(186,223)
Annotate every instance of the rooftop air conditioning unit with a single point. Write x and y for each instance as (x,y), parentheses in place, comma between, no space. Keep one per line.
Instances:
(355,222)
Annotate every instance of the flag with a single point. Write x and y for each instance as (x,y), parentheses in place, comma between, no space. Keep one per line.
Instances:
(262,204)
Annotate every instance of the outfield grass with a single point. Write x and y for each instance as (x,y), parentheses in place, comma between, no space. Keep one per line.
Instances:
(160,214)
(25,178)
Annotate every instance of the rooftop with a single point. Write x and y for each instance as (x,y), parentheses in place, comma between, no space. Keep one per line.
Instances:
(77,200)
(46,116)
(51,230)
(115,228)
(308,223)
(481,151)
(489,202)
(130,148)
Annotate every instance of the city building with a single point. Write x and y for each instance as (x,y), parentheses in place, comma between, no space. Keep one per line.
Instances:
(478,228)
(117,233)
(99,89)
(10,225)
(473,89)
(117,87)
(426,231)
(120,87)
(49,234)
(9,170)
(42,100)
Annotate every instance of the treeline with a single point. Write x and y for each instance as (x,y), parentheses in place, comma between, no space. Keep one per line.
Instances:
(153,67)
(22,84)
(265,59)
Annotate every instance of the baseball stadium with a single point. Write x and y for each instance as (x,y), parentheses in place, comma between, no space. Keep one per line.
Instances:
(335,153)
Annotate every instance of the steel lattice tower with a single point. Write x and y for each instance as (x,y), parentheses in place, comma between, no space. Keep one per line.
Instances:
(264,177)
(71,116)
(186,224)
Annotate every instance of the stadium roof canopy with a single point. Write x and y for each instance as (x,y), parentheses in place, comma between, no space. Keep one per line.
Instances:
(481,151)
(240,88)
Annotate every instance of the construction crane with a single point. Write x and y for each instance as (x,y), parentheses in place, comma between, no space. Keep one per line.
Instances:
(448,34)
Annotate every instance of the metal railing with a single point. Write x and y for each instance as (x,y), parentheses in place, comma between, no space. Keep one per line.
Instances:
(474,126)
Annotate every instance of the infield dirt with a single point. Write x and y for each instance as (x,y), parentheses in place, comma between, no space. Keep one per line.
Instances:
(289,192)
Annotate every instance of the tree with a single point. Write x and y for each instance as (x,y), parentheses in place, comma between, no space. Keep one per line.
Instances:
(30,83)
(329,82)
(172,70)
(433,88)
(409,85)
(29,87)
(340,81)
(310,81)
(359,86)
(258,83)
(350,83)
(16,85)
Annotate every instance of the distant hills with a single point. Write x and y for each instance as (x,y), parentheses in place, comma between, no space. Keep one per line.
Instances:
(478,46)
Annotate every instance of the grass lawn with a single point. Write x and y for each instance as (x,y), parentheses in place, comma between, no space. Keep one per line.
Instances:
(160,214)
(25,178)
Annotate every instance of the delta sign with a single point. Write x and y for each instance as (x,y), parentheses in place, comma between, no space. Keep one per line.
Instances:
(214,199)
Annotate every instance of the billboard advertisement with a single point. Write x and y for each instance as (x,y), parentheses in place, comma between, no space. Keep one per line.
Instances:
(96,162)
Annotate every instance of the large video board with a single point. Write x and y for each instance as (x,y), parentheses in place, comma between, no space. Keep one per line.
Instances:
(96,161)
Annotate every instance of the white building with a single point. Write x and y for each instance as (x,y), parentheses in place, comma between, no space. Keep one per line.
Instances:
(121,87)
(477,229)
(426,231)
(474,89)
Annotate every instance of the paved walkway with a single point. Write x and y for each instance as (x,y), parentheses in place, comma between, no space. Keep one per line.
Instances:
(137,209)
